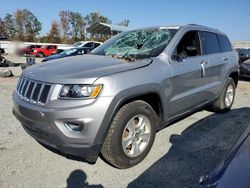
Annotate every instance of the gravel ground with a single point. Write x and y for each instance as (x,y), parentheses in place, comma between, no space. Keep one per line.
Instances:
(180,155)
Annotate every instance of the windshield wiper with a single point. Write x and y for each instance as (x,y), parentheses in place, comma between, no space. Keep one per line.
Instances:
(128,57)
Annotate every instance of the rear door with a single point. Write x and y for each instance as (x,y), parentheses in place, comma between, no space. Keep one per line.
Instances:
(214,47)
(190,78)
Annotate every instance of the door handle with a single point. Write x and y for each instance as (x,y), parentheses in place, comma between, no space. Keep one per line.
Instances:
(224,59)
(204,62)
(203,69)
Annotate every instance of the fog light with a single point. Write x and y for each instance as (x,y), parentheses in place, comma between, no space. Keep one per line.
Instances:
(74,126)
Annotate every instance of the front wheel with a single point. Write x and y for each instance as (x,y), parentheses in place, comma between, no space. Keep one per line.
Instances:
(225,102)
(131,135)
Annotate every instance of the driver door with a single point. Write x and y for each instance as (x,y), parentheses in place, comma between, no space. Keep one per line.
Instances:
(189,75)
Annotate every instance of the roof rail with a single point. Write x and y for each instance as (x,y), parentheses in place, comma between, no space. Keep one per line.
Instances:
(202,26)
(196,25)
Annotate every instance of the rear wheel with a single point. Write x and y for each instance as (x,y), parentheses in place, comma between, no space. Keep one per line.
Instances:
(225,102)
(131,135)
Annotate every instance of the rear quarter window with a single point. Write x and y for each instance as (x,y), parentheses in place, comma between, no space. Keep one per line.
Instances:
(224,43)
(210,43)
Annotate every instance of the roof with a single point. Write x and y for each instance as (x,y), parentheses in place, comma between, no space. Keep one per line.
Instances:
(103,28)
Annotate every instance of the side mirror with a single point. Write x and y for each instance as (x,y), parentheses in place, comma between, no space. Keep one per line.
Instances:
(177,58)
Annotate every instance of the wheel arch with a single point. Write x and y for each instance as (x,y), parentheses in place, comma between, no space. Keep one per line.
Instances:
(121,100)
(235,77)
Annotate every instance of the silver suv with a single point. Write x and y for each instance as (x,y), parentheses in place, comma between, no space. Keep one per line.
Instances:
(113,101)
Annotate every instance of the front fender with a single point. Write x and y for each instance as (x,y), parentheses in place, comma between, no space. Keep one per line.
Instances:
(117,103)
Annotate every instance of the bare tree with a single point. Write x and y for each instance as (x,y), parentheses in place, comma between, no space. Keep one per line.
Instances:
(9,26)
(32,25)
(20,29)
(124,23)
(2,27)
(78,26)
(54,33)
(27,25)
(65,19)
(96,17)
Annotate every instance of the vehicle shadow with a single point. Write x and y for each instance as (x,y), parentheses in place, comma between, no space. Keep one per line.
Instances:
(196,152)
(78,179)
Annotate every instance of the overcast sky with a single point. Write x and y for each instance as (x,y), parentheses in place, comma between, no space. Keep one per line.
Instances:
(231,17)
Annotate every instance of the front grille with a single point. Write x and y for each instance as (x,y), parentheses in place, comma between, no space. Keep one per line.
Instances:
(33,91)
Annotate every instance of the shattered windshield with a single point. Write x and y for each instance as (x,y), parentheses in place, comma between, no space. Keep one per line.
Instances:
(135,45)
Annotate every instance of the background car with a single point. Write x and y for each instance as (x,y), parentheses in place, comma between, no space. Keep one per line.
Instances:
(27,50)
(87,45)
(245,69)
(244,62)
(44,51)
(66,53)
(244,54)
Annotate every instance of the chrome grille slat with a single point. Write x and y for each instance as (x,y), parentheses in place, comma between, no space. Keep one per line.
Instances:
(22,86)
(19,85)
(39,95)
(32,91)
(26,90)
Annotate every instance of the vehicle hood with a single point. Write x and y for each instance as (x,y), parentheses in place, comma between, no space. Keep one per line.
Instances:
(80,69)
(246,62)
(56,56)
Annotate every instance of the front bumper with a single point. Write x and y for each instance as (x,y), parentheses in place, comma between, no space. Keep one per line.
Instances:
(47,126)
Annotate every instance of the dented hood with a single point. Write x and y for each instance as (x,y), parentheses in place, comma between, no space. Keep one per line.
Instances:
(80,69)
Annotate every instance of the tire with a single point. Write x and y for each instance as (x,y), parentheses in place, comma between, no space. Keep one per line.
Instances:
(40,54)
(226,99)
(119,148)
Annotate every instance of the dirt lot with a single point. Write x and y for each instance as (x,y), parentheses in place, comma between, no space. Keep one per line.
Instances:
(180,155)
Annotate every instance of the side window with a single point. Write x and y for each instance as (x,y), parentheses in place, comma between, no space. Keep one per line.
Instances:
(210,43)
(89,45)
(189,45)
(96,45)
(225,45)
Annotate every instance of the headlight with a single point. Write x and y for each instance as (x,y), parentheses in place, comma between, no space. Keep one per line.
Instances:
(79,91)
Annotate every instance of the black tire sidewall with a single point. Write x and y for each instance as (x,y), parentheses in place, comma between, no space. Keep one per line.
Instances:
(116,144)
